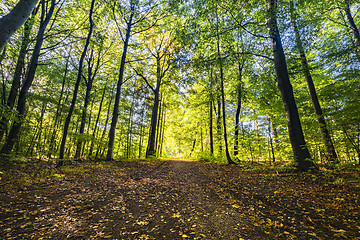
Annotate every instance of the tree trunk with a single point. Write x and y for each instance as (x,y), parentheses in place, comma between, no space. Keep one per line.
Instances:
(15,129)
(230,161)
(15,19)
(104,130)
(218,126)
(77,84)
(58,109)
(273,130)
(142,127)
(163,130)
(271,141)
(302,155)
(151,144)
(331,154)
(211,126)
(158,127)
(129,132)
(352,26)
(96,124)
(89,84)
(193,147)
(17,75)
(238,111)
(110,152)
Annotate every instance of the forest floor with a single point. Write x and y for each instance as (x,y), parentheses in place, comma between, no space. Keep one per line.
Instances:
(174,199)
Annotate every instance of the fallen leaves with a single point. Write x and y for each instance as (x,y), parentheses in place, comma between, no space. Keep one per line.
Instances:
(176,200)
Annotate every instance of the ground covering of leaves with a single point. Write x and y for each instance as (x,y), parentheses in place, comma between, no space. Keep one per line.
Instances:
(174,200)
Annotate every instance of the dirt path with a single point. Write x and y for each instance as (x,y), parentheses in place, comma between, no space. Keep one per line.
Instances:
(176,200)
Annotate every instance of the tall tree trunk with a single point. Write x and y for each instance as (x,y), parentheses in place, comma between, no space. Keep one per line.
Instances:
(211,126)
(238,111)
(271,141)
(211,114)
(77,84)
(331,154)
(99,149)
(89,84)
(37,134)
(115,115)
(302,155)
(273,130)
(129,132)
(353,26)
(230,161)
(58,109)
(17,75)
(154,114)
(96,124)
(3,98)
(142,131)
(163,130)
(15,19)
(218,125)
(15,129)
(158,127)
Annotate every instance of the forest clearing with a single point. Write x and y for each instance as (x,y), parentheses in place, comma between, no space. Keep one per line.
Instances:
(176,199)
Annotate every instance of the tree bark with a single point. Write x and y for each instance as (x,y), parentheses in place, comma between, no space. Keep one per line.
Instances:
(89,84)
(158,127)
(218,125)
(154,114)
(104,130)
(77,84)
(331,154)
(129,132)
(238,111)
(15,129)
(96,124)
(230,161)
(302,157)
(17,75)
(115,115)
(211,126)
(353,26)
(58,109)
(10,23)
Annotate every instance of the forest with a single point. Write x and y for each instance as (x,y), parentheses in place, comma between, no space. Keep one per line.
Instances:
(101,98)
(224,81)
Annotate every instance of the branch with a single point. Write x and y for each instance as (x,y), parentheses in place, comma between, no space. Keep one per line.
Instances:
(145,79)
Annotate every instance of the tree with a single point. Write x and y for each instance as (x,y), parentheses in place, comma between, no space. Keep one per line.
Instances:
(314,97)
(77,84)
(301,153)
(15,129)
(352,25)
(161,49)
(137,19)
(10,23)
(17,74)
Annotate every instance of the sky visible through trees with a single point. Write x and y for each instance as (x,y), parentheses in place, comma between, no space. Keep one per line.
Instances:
(223,81)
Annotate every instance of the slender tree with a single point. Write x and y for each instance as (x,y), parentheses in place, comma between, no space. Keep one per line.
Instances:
(314,98)
(15,129)
(352,25)
(18,73)
(302,155)
(77,84)
(220,60)
(129,21)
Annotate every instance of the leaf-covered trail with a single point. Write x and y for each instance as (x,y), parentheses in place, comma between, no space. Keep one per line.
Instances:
(175,200)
